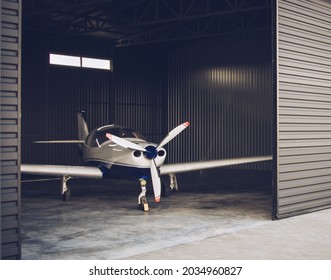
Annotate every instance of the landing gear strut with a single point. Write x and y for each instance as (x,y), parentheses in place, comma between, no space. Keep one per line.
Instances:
(142,200)
(65,192)
(173,182)
(166,189)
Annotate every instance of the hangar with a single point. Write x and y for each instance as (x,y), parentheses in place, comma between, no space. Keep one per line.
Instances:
(253,76)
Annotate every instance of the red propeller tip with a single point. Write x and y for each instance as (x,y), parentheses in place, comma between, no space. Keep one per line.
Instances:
(157,199)
(187,124)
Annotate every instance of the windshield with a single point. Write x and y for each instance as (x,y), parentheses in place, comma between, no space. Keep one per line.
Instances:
(98,137)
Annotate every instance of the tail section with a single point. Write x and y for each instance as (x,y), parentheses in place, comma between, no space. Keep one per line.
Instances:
(82,126)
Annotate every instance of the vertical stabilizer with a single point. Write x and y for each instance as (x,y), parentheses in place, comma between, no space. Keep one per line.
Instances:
(82,126)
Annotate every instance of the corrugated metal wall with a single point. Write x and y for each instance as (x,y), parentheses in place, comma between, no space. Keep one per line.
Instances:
(304,100)
(51,98)
(223,86)
(10,28)
(133,95)
(140,90)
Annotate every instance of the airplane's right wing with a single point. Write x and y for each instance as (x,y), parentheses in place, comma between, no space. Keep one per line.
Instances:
(200,165)
(62,170)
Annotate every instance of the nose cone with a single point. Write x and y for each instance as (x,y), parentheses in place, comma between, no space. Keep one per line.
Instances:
(151,152)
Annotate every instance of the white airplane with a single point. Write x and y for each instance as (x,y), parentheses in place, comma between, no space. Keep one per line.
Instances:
(113,151)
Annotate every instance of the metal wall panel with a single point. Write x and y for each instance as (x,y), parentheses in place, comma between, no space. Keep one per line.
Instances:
(51,98)
(223,86)
(140,89)
(10,30)
(304,104)
(132,95)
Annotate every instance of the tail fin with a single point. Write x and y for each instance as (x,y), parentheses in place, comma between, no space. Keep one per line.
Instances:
(82,125)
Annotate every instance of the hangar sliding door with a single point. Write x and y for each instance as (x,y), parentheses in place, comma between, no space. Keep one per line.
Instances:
(10,130)
(304,106)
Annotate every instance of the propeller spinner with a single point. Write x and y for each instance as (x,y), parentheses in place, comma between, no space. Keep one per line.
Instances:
(151,153)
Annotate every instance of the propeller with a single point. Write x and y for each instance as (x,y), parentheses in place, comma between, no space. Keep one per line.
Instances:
(173,133)
(151,153)
(156,181)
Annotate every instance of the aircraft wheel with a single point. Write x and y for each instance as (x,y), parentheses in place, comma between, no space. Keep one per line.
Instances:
(143,204)
(66,195)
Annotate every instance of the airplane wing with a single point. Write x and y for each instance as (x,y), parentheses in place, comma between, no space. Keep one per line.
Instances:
(95,172)
(62,170)
(200,165)
(60,142)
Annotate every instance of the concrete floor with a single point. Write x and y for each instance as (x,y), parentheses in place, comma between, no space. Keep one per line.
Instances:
(103,222)
(305,237)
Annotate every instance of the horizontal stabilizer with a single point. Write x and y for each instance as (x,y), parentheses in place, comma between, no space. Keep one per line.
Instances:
(62,170)
(200,165)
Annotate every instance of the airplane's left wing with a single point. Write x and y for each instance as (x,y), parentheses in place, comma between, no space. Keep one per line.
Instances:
(200,165)
(62,170)
(60,142)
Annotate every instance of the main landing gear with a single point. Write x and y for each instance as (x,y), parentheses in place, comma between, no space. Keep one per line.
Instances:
(65,190)
(173,182)
(142,200)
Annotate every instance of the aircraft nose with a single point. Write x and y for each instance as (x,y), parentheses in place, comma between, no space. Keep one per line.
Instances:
(151,152)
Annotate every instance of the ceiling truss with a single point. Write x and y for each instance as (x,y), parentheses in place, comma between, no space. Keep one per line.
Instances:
(132,22)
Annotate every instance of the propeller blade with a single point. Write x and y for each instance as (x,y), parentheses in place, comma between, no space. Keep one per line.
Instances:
(156,181)
(124,143)
(173,133)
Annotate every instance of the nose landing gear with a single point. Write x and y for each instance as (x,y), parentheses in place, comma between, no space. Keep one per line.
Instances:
(142,200)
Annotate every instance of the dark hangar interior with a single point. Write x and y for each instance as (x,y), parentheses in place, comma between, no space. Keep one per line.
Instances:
(208,62)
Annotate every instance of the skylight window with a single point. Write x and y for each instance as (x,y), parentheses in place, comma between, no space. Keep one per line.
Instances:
(96,63)
(66,60)
(78,61)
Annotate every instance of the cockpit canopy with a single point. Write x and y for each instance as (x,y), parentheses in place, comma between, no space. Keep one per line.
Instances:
(98,136)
